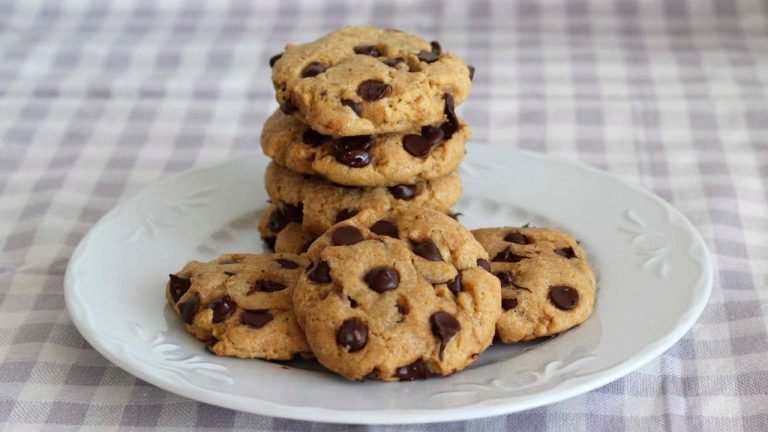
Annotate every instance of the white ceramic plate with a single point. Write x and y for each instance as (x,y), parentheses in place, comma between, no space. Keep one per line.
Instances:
(654,279)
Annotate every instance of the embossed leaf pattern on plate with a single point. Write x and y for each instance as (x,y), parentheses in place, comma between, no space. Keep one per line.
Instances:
(652,246)
(155,219)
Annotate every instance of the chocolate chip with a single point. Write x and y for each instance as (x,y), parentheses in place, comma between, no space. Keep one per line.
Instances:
(448,129)
(263,285)
(455,285)
(508,256)
(373,90)
(403,192)
(353,335)
(345,214)
(346,236)
(319,272)
(230,273)
(270,242)
(456,216)
(222,308)
(286,264)
(506,278)
(517,238)
(256,318)
(444,326)
(312,69)
(471,72)
(385,228)
(314,139)
(484,264)
(508,303)
(416,145)
(274,59)
(402,309)
(450,110)
(564,297)
(394,61)
(436,48)
(428,57)
(357,107)
(417,370)
(353,151)
(178,286)
(566,252)
(382,279)
(432,134)
(373,374)
(352,302)
(211,342)
(293,213)
(277,221)
(288,107)
(369,50)
(188,308)
(427,250)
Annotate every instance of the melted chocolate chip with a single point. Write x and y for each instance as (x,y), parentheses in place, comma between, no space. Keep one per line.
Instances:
(353,335)
(484,264)
(448,129)
(178,286)
(471,72)
(403,192)
(417,370)
(314,139)
(563,297)
(263,285)
(517,238)
(288,107)
(345,214)
(508,303)
(270,243)
(444,326)
(566,252)
(210,343)
(353,151)
(432,134)
(382,279)
(506,278)
(313,69)
(286,264)
(455,285)
(293,213)
(385,228)
(352,302)
(222,308)
(427,250)
(450,110)
(508,256)
(319,272)
(277,221)
(436,48)
(357,107)
(369,50)
(428,57)
(188,308)
(373,90)
(346,236)
(256,318)
(394,61)
(416,145)
(274,59)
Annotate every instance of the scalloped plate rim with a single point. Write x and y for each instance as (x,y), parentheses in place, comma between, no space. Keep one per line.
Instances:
(481,409)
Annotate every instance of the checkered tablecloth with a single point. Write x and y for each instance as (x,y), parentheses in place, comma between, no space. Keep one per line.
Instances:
(100,99)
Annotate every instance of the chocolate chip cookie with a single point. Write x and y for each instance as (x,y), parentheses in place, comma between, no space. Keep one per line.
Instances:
(319,204)
(281,232)
(241,305)
(366,80)
(407,157)
(547,284)
(398,295)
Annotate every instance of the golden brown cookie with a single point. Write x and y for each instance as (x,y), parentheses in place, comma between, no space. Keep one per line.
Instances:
(281,234)
(366,80)
(399,295)
(241,305)
(547,284)
(408,157)
(318,204)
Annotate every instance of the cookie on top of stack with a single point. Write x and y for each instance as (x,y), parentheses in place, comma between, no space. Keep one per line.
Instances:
(366,120)
(371,275)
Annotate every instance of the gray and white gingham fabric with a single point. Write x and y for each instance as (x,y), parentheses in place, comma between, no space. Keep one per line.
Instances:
(100,99)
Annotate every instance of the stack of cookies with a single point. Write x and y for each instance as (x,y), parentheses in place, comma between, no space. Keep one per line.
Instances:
(366,121)
(371,276)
